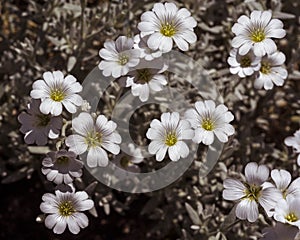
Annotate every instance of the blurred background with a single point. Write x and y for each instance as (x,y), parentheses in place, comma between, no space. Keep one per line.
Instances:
(39,36)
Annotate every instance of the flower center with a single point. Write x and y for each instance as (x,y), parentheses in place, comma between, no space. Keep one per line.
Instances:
(245,61)
(124,162)
(43,120)
(143,75)
(167,30)
(265,68)
(57,95)
(258,35)
(66,209)
(123,59)
(93,139)
(62,160)
(171,139)
(291,217)
(208,124)
(252,192)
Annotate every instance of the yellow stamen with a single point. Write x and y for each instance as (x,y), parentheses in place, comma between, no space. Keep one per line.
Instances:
(66,209)
(208,124)
(171,139)
(168,30)
(291,217)
(57,95)
(265,68)
(258,35)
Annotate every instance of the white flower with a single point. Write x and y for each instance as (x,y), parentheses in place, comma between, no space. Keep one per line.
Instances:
(207,120)
(65,209)
(37,127)
(147,78)
(256,32)
(294,142)
(119,56)
(282,179)
(280,232)
(56,91)
(243,65)
(271,71)
(62,166)
(92,136)
(251,193)
(147,53)
(166,23)
(169,135)
(288,211)
(128,162)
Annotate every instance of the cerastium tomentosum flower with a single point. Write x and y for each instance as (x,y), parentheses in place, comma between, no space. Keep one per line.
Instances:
(38,127)
(169,135)
(209,120)
(147,77)
(243,65)
(119,56)
(94,136)
(56,91)
(166,23)
(288,211)
(271,71)
(62,166)
(256,33)
(252,192)
(65,209)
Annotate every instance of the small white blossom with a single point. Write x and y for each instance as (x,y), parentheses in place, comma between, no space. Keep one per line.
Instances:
(282,179)
(251,193)
(62,166)
(294,142)
(256,33)
(119,56)
(288,211)
(93,137)
(128,162)
(271,71)
(37,126)
(146,78)
(56,91)
(65,209)
(166,23)
(147,53)
(209,120)
(169,135)
(243,65)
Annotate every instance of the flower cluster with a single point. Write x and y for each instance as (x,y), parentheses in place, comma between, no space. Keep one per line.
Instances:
(280,200)
(139,59)
(200,124)
(43,121)
(255,53)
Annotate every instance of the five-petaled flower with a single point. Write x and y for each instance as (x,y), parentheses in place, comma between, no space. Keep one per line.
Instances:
(37,126)
(65,209)
(62,166)
(243,65)
(209,120)
(169,135)
(271,71)
(288,211)
(252,192)
(94,136)
(256,33)
(147,77)
(56,91)
(166,23)
(119,56)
